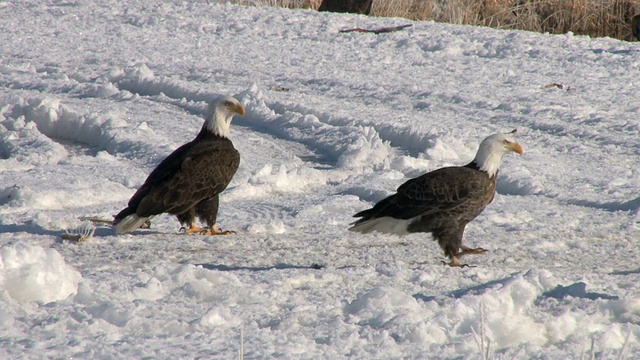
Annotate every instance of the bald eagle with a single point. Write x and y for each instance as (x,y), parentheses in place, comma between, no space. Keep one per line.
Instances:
(442,202)
(189,181)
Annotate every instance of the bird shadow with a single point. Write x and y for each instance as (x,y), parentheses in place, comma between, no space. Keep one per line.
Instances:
(617,52)
(29,229)
(279,266)
(631,205)
(626,272)
(423,297)
(100,231)
(473,290)
(576,290)
(482,288)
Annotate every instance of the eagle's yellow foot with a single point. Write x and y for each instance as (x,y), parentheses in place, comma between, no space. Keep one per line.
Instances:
(215,231)
(455,262)
(193,230)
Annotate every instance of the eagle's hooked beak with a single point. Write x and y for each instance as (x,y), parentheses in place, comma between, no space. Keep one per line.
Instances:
(515,147)
(239,109)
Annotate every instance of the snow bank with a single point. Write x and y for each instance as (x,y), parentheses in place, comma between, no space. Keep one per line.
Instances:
(400,315)
(367,152)
(40,130)
(348,146)
(141,80)
(219,316)
(270,180)
(511,312)
(194,282)
(32,273)
(507,304)
(21,141)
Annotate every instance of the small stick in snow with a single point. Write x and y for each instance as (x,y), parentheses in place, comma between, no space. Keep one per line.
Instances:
(378,30)
(97,220)
(559,86)
(279,88)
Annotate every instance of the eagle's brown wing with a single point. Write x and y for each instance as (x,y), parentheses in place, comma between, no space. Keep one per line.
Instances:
(438,191)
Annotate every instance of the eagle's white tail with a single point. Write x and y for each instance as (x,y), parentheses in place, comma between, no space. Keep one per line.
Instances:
(130,223)
(386,225)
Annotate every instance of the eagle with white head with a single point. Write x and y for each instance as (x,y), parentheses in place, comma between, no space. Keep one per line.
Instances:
(442,202)
(188,182)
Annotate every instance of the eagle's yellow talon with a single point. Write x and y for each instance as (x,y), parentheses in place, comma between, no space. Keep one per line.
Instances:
(195,230)
(456,263)
(215,231)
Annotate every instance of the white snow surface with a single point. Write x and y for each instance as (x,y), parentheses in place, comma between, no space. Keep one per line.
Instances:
(94,94)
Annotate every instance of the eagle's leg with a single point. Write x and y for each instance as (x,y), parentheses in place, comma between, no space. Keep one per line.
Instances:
(189,218)
(207,211)
(451,243)
(464,250)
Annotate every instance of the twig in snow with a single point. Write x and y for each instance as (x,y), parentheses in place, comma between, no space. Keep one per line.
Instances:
(623,350)
(378,30)
(592,352)
(241,349)
(484,351)
(559,86)
(279,88)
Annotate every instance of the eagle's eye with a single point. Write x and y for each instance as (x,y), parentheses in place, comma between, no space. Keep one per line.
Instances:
(506,142)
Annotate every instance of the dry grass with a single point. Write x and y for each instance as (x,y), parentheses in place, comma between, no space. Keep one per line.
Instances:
(595,18)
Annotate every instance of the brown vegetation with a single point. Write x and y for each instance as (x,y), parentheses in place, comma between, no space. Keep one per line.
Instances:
(595,18)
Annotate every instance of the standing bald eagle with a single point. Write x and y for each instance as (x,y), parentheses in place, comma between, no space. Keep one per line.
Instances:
(442,202)
(188,182)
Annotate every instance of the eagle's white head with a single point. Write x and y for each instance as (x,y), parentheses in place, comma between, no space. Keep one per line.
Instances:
(220,113)
(492,149)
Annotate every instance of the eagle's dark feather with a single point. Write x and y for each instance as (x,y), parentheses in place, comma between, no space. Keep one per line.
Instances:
(443,191)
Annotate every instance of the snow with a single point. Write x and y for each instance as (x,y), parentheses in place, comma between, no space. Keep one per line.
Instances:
(96,93)
(31,273)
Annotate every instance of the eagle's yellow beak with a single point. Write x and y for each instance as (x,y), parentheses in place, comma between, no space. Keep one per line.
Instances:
(239,109)
(515,147)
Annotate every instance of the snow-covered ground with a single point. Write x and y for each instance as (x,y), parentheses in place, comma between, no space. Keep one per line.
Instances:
(94,94)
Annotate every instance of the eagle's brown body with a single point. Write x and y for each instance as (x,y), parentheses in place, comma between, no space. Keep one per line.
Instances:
(442,202)
(188,182)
